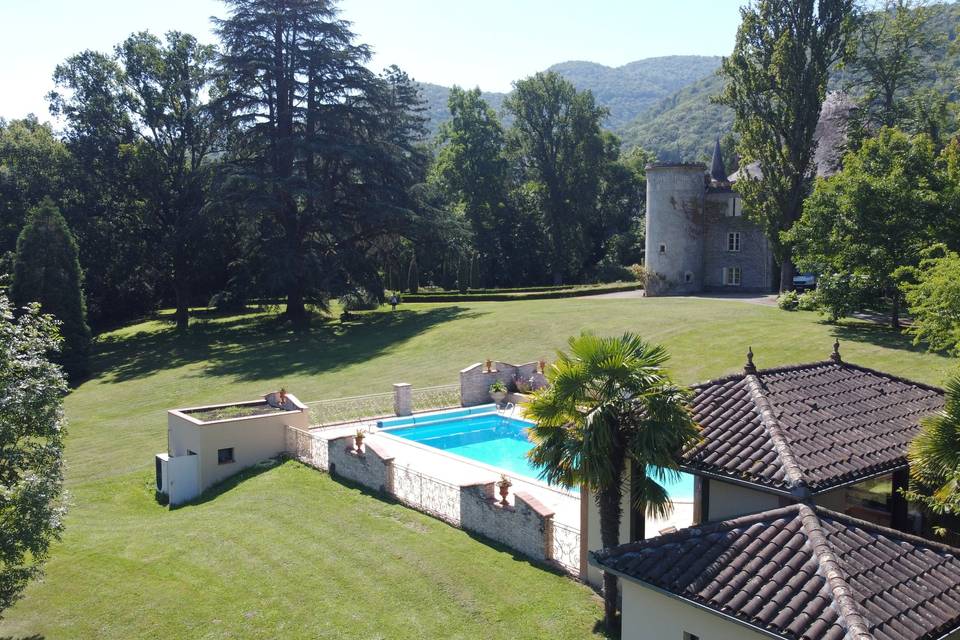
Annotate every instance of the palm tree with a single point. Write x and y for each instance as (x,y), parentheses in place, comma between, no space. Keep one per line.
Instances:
(611,400)
(934,457)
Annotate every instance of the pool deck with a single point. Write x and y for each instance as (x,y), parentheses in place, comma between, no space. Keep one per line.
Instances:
(457,470)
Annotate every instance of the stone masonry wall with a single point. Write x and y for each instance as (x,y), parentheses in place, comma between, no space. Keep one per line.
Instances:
(372,467)
(755,257)
(526,526)
(475,381)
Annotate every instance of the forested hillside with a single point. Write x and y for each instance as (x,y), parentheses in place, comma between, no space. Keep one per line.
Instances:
(683,126)
(626,91)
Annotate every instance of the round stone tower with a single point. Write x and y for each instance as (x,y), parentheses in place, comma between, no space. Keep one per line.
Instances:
(674,242)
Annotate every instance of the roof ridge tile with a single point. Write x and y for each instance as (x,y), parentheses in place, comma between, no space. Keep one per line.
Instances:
(851,616)
(772,426)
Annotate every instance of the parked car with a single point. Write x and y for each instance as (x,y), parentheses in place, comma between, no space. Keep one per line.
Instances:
(804,281)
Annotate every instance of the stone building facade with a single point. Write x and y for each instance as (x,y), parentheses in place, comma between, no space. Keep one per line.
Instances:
(697,238)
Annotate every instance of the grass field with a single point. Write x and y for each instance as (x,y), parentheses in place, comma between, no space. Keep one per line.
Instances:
(287,552)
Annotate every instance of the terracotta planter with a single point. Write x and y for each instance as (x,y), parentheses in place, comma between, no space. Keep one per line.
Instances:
(358,442)
(504,492)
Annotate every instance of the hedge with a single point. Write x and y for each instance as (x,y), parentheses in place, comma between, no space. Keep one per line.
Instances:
(569,292)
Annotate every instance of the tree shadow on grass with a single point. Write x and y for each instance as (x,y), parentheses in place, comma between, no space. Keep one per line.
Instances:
(875,334)
(35,636)
(257,347)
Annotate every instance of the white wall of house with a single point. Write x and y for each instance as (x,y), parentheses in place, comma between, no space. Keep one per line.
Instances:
(651,615)
(732,500)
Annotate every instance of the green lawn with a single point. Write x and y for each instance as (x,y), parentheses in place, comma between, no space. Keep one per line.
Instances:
(287,552)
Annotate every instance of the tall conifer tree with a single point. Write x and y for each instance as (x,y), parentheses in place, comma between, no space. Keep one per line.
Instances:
(330,146)
(46,270)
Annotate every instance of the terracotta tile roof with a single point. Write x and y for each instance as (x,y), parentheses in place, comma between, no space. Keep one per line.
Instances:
(806,429)
(803,572)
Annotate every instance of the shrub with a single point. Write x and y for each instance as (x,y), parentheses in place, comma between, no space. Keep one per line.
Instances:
(788,301)
(808,301)
(359,300)
(653,282)
(841,294)
(498,387)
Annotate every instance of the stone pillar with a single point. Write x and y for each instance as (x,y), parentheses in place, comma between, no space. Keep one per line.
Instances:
(402,399)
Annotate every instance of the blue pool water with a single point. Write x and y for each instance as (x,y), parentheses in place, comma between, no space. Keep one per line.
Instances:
(480,434)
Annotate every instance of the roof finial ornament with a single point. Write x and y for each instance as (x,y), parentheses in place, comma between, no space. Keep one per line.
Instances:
(835,356)
(750,368)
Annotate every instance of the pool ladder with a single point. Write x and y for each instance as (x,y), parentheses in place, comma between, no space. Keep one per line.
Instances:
(507,413)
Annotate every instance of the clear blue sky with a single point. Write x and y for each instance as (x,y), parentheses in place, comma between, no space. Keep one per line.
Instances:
(471,43)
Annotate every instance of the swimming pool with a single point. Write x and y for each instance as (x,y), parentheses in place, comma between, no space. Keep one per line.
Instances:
(481,434)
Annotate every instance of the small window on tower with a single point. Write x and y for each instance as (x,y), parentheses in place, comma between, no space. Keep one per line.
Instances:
(663,248)
(688,277)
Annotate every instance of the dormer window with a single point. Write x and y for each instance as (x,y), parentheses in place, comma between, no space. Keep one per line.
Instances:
(663,248)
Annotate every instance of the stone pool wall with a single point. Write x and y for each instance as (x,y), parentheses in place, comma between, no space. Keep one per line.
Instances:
(524,525)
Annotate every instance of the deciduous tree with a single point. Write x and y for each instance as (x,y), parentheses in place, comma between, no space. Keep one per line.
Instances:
(778,73)
(158,98)
(558,145)
(31,447)
(874,216)
(472,169)
(893,46)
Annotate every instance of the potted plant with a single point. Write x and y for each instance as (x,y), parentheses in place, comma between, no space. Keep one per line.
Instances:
(543,365)
(504,484)
(498,391)
(489,366)
(522,384)
(358,439)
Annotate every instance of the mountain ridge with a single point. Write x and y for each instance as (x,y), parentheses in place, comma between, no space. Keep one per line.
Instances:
(626,90)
